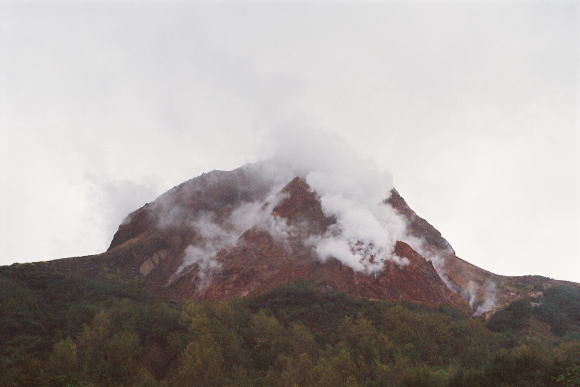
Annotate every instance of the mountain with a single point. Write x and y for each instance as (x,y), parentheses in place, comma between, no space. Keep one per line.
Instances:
(254,278)
(226,235)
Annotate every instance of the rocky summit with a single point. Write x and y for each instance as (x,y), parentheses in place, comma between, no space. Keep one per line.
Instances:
(265,276)
(226,235)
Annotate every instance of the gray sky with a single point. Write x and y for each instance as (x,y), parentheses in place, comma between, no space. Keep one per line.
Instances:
(473,107)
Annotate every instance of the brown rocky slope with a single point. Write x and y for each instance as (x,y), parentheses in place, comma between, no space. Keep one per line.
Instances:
(155,241)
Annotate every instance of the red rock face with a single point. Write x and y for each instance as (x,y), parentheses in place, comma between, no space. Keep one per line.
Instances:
(301,208)
(457,273)
(150,247)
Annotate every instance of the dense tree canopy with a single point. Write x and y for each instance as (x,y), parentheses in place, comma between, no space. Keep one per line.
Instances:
(61,330)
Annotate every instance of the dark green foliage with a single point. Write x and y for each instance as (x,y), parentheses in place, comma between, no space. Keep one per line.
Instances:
(301,302)
(531,364)
(514,317)
(570,377)
(560,308)
(41,305)
(106,333)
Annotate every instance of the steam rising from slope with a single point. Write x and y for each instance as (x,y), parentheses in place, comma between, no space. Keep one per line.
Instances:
(481,298)
(215,237)
(351,189)
(211,212)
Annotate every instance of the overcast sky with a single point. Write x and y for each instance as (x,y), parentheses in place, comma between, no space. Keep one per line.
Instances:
(472,107)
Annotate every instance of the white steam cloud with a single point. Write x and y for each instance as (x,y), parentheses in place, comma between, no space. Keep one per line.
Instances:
(218,236)
(481,298)
(214,238)
(352,190)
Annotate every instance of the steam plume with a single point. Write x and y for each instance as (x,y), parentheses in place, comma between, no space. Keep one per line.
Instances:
(351,189)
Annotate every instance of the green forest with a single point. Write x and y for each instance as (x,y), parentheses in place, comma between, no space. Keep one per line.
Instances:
(58,328)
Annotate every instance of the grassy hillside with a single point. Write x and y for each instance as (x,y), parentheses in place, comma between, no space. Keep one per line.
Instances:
(61,328)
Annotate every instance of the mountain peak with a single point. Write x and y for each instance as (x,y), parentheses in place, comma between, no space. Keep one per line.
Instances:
(225,235)
(300,205)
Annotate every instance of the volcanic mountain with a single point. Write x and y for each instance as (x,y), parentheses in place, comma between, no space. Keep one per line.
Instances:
(230,234)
